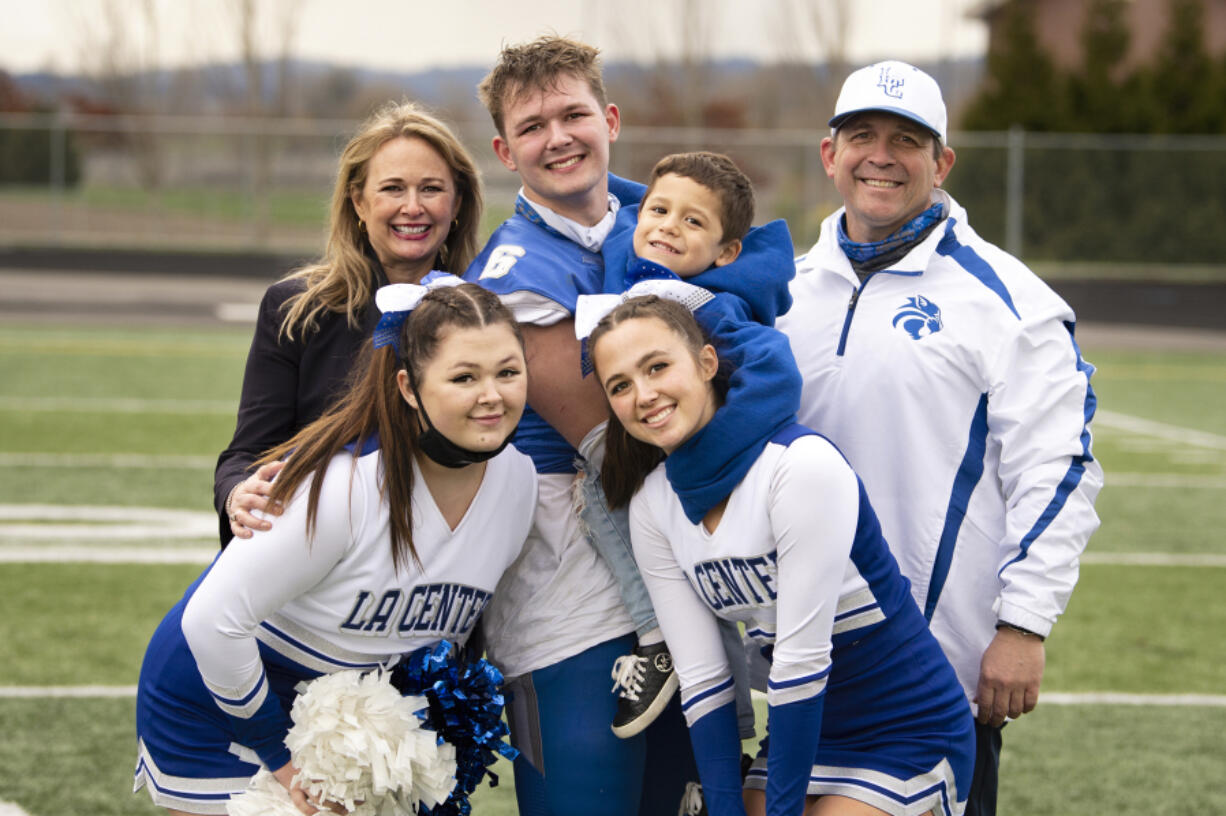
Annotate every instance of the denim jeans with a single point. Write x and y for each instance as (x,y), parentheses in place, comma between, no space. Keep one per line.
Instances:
(609,532)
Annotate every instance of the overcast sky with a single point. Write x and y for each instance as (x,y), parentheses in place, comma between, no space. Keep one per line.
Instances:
(398,35)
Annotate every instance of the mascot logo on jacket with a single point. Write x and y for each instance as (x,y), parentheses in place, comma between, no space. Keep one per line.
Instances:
(918,317)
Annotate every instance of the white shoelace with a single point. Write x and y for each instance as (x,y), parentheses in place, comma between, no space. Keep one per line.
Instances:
(628,673)
(691,800)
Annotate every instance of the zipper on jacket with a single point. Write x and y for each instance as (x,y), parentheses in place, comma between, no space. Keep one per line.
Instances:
(851,312)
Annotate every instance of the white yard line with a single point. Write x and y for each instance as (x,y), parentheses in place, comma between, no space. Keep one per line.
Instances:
(202,554)
(12,809)
(1096,698)
(1181,481)
(67,691)
(1050,697)
(118,405)
(1119,698)
(1161,430)
(58,522)
(1154,559)
(152,461)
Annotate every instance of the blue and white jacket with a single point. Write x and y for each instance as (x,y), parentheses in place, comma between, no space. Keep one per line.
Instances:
(953,384)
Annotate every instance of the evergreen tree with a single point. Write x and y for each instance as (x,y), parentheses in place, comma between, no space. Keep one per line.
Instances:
(1102,99)
(1023,86)
(1183,81)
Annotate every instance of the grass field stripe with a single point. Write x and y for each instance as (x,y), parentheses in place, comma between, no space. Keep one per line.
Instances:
(55,522)
(118,405)
(67,691)
(107,512)
(1182,481)
(1154,559)
(202,554)
(1148,427)
(108,460)
(1048,698)
(1093,698)
(1118,698)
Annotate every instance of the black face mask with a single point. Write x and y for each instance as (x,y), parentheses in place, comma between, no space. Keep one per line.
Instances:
(442,450)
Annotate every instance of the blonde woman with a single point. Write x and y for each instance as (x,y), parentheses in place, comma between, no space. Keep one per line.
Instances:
(407,201)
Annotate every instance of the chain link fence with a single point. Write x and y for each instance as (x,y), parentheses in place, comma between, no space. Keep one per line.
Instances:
(1084,201)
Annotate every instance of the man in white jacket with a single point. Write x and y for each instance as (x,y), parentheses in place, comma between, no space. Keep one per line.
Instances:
(947,373)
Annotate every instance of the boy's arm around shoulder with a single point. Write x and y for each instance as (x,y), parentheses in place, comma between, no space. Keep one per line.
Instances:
(760,274)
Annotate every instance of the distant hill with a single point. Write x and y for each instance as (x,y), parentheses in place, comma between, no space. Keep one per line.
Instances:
(329,90)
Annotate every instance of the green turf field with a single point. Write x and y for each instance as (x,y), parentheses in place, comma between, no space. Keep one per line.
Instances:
(99,418)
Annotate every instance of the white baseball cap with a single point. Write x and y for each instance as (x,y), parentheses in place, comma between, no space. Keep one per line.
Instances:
(893,87)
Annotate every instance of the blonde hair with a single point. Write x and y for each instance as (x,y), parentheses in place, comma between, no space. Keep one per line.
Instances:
(340,281)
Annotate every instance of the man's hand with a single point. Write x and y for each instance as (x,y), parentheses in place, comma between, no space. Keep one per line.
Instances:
(1009,676)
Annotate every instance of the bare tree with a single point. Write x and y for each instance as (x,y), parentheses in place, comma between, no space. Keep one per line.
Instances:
(259,147)
(812,37)
(124,66)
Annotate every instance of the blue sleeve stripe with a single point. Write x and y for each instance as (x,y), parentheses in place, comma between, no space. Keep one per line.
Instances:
(1091,401)
(759,633)
(315,653)
(241,702)
(779,685)
(1076,468)
(859,610)
(970,471)
(969,260)
(689,700)
(1067,485)
(247,706)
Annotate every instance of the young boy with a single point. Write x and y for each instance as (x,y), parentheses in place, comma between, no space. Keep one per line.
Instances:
(690,239)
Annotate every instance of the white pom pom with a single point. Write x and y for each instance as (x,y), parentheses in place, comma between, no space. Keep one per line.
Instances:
(357,741)
(265,796)
(434,775)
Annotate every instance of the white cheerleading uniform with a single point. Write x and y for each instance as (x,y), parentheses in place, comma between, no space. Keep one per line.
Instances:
(862,702)
(283,606)
(952,382)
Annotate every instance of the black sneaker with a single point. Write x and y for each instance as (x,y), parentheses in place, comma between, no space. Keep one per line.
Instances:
(645,682)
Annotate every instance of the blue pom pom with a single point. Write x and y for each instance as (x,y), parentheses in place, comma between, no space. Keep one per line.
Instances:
(466,703)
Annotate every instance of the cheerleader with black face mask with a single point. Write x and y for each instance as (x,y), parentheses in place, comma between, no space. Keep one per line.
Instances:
(402,508)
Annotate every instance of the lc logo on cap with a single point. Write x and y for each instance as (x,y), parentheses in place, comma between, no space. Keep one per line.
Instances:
(893,87)
(890,81)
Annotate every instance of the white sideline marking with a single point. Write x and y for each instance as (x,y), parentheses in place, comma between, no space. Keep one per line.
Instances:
(1119,698)
(111,555)
(1154,559)
(118,405)
(1052,697)
(1182,481)
(237,312)
(1161,430)
(11,809)
(36,521)
(67,691)
(152,461)
(1096,698)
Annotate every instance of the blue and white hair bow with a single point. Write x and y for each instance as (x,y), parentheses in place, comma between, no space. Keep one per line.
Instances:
(591,309)
(396,300)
